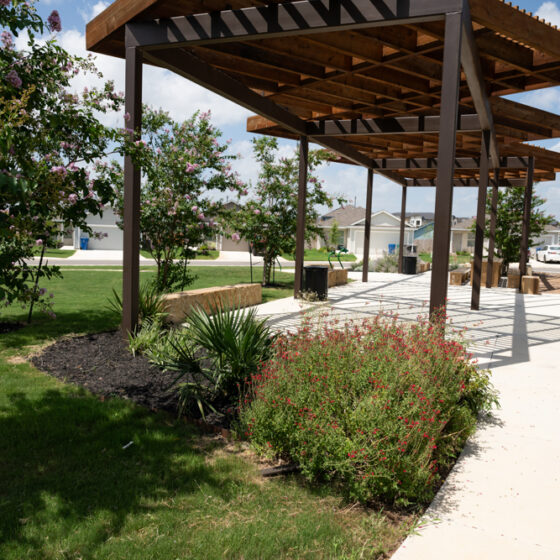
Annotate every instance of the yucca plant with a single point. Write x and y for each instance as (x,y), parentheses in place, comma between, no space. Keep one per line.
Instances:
(217,352)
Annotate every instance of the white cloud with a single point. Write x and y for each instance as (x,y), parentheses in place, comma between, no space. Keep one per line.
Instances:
(550,11)
(93,11)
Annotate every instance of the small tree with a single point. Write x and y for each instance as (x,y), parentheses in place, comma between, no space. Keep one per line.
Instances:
(48,138)
(334,235)
(509,222)
(183,164)
(269,219)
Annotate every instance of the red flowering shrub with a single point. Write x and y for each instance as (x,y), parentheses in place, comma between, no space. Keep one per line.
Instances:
(378,407)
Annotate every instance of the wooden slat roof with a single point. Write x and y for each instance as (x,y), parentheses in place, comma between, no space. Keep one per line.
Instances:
(378,72)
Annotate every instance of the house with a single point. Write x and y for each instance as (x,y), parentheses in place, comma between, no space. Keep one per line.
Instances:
(107,235)
(350,220)
(551,236)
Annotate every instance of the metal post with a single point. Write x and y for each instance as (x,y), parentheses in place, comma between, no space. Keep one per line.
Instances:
(525,232)
(131,215)
(401,237)
(446,154)
(367,232)
(492,233)
(300,232)
(480,219)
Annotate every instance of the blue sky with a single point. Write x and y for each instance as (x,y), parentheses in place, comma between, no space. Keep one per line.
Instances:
(181,98)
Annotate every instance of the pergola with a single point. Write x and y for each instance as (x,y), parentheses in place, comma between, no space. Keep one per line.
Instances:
(411,90)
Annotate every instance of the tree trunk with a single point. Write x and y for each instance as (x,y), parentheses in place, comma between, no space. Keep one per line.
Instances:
(267,269)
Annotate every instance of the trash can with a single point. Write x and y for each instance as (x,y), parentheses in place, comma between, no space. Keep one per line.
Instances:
(409,265)
(84,243)
(316,280)
(392,247)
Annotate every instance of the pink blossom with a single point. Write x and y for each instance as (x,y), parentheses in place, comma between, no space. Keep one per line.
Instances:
(12,77)
(127,116)
(59,169)
(38,242)
(257,211)
(201,216)
(235,237)
(195,209)
(73,198)
(7,39)
(54,21)
(191,167)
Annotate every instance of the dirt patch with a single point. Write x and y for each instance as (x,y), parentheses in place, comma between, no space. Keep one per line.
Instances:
(103,364)
(16,360)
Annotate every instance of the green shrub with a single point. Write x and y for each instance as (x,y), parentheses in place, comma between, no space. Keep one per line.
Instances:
(216,353)
(377,407)
(151,306)
(388,263)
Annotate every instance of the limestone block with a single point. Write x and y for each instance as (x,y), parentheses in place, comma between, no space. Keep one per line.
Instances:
(496,269)
(179,305)
(530,284)
(337,277)
(459,276)
(513,279)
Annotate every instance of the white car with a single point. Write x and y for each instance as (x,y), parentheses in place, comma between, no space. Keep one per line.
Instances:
(549,253)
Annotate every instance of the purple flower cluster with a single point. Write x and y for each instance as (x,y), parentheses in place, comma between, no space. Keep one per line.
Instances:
(12,77)
(7,39)
(55,24)
(5,3)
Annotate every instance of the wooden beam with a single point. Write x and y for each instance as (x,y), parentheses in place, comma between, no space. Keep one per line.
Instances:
(401,231)
(284,20)
(492,231)
(189,66)
(480,220)
(395,125)
(451,77)
(367,228)
(470,61)
(464,182)
(526,227)
(301,212)
(433,163)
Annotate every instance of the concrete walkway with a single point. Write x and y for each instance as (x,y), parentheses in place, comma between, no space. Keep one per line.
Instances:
(500,500)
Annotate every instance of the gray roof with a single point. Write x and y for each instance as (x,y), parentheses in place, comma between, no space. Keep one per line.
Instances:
(344,216)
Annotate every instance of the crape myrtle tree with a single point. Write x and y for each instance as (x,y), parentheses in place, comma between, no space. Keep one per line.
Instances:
(269,219)
(509,222)
(185,168)
(48,139)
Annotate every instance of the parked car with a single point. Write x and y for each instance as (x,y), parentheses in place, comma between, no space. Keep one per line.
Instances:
(549,253)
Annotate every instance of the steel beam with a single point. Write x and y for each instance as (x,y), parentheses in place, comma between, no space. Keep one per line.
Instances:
(396,125)
(131,214)
(492,232)
(526,227)
(470,60)
(480,220)
(367,230)
(446,155)
(401,235)
(301,211)
(284,20)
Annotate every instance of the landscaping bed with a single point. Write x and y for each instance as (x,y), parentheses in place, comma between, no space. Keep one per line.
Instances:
(103,364)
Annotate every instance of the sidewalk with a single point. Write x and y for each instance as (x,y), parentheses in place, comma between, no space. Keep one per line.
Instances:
(499,502)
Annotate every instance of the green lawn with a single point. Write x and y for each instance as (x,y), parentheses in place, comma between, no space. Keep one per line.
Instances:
(55,253)
(70,490)
(211,256)
(321,255)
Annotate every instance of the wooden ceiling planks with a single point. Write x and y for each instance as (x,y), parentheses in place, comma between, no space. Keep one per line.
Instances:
(375,72)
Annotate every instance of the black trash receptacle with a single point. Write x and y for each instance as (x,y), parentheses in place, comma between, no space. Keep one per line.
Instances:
(316,280)
(409,265)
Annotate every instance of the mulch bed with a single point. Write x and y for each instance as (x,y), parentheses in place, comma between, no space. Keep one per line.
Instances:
(103,364)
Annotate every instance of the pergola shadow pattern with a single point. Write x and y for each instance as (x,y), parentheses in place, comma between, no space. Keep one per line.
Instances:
(501,333)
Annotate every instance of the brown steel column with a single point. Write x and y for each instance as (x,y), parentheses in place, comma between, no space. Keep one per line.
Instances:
(131,214)
(446,154)
(492,233)
(401,236)
(480,219)
(367,232)
(300,232)
(525,232)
